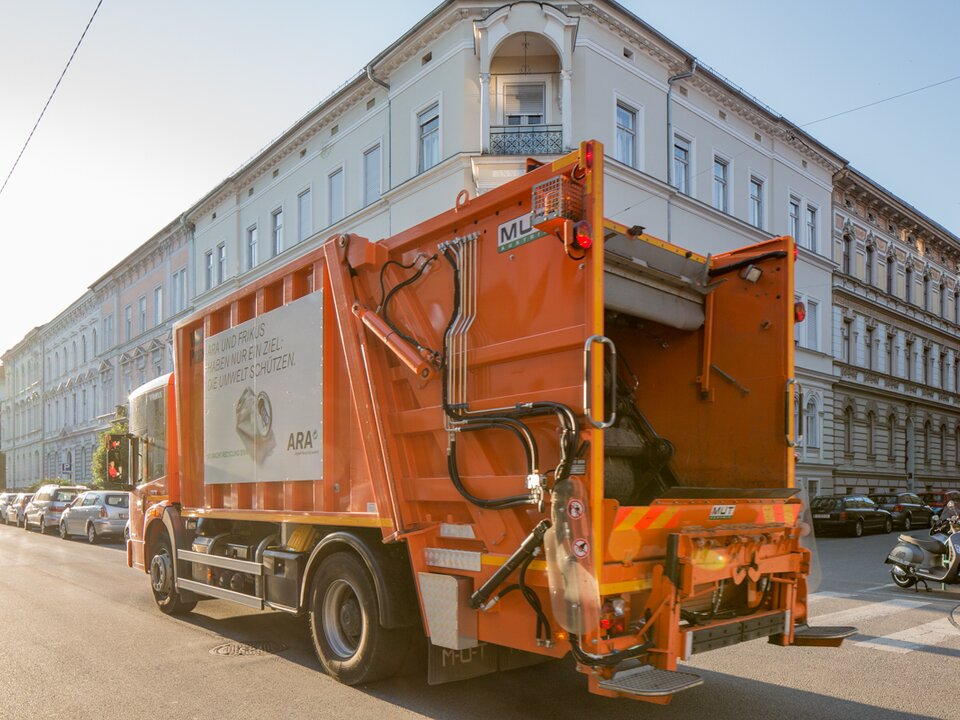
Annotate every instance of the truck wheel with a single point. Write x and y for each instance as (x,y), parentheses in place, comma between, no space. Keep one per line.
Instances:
(349,640)
(162,582)
(901,578)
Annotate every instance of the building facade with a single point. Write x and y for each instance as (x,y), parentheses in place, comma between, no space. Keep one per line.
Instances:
(458,103)
(896,343)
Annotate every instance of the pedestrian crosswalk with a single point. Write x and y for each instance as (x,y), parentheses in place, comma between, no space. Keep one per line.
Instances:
(886,623)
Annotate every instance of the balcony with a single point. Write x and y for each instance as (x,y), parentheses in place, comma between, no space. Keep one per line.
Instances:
(526,139)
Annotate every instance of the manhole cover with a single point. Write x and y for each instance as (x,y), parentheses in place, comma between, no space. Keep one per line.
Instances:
(254,647)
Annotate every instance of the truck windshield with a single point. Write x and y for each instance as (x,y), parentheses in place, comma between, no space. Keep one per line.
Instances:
(148,422)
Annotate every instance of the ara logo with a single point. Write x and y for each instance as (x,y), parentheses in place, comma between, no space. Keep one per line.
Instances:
(305,440)
(516,232)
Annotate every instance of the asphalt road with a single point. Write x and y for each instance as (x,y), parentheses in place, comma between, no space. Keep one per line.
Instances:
(81,638)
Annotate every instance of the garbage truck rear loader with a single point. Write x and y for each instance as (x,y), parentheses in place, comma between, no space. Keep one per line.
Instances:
(519,427)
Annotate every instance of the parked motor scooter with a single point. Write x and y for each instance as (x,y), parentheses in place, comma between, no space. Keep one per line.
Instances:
(917,560)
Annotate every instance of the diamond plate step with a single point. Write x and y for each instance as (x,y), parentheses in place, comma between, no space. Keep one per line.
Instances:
(826,636)
(648,681)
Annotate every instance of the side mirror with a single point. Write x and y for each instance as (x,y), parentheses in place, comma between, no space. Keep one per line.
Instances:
(119,459)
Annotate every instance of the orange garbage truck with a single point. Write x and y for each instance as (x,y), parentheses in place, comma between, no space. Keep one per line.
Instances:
(518,428)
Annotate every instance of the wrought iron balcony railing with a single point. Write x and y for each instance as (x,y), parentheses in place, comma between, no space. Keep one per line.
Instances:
(526,139)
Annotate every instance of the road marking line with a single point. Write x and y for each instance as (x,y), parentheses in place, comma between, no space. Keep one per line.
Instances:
(878,587)
(867,612)
(827,595)
(915,638)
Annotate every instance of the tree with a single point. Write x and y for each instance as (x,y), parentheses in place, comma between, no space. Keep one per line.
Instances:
(98,464)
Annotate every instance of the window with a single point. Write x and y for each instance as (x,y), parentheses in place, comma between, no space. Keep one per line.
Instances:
(943,300)
(813,325)
(846,250)
(523,104)
(93,340)
(335,195)
(926,293)
(848,431)
(428,125)
(83,348)
(943,444)
(908,360)
(907,284)
(927,366)
(868,266)
(681,164)
(108,339)
(756,201)
(871,429)
(128,321)
(221,263)
(179,295)
(891,272)
(926,442)
(811,227)
(371,175)
(208,270)
(868,349)
(811,425)
(721,174)
(304,215)
(943,371)
(142,303)
(891,436)
(251,247)
(276,230)
(846,354)
(793,213)
(889,357)
(626,135)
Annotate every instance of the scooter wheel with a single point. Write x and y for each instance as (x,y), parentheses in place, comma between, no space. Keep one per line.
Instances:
(901,579)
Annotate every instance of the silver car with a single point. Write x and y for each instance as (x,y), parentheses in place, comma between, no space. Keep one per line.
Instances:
(48,504)
(96,514)
(16,509)
(5,500)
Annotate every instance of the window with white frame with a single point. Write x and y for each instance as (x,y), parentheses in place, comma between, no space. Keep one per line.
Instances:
(793,218)
(143,313)
(524,103)
(868,271)
(371,175)
(208,270)
(251,247)
(811,227)
(428,137)
(868,348)
(276,230)
(813,325)
(721,184)
(221,262)
(756,202)
(157,305)
(108,339)
(626,151)
(811,425)
(681,164)
(178,296)
(335,195)
(304,215)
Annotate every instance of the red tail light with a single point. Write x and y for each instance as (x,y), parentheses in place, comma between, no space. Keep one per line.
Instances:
(103,513)
(796,252)
(799,312)
(588,156)
(843,515)
(898,508)
(582,235)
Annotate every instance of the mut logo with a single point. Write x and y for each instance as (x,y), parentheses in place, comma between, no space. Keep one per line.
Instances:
(722,512)
(302,440)
(516,232)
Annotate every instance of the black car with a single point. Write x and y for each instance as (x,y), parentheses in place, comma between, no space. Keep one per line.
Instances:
(853,514)
(908,510)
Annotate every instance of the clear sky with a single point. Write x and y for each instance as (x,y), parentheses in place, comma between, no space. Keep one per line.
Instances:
(165,99)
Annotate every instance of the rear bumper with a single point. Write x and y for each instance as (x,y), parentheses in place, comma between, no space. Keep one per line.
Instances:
(831,525)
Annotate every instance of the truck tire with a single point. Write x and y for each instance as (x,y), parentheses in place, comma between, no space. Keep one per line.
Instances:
(162,582)
(345,628)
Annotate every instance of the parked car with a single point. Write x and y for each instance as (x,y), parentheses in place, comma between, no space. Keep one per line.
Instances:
(16,508)
(48,504)
(936,499)
(96,514)
(5,500)
(852,514)
(908,510)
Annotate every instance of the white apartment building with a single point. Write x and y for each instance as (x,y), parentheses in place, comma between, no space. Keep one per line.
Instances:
(457,103)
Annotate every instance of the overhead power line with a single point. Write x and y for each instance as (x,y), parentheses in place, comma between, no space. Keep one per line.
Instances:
(70,60)
(880,102)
